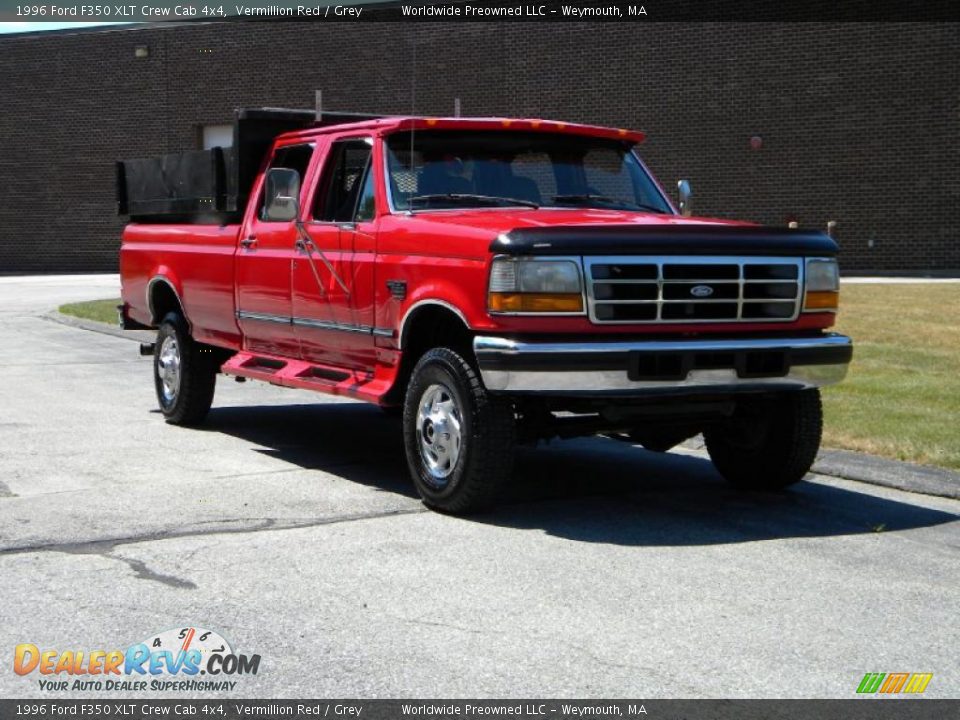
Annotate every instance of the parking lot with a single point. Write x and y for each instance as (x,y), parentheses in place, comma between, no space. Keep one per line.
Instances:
(288,525)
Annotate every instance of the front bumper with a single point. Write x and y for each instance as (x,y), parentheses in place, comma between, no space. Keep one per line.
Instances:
(662,366)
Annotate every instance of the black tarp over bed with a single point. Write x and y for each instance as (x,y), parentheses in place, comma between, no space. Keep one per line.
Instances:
(211,186)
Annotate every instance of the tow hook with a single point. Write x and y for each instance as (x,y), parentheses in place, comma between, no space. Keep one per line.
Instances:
(147,348)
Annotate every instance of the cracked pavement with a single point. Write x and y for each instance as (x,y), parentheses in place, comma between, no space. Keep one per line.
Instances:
(288,525)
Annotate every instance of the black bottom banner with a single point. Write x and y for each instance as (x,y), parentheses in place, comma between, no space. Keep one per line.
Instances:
(854,709)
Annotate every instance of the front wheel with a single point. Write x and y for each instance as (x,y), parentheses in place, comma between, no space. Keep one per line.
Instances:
(458,438)
(184,373)
(768,443)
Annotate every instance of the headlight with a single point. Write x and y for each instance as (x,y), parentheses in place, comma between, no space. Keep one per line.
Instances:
(530,285)
(822,285)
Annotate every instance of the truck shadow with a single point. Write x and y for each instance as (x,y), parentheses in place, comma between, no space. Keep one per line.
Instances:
(589,489)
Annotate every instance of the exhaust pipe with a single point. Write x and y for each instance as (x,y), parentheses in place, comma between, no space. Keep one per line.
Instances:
(147,349)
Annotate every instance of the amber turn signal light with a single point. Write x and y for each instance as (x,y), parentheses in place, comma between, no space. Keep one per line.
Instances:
(536,302)
(821,300)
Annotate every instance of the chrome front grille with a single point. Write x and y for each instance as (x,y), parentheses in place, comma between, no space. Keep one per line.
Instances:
(693,289)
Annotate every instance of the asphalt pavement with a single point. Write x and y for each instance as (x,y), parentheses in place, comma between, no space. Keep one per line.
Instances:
(287,524)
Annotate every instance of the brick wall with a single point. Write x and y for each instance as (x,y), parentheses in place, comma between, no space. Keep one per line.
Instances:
(859,122)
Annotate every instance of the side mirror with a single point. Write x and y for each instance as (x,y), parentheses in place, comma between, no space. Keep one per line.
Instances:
(282,195)
(686,197)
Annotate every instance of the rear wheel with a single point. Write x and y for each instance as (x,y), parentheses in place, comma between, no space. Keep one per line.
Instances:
(458,438)
(184,373)
(768,444)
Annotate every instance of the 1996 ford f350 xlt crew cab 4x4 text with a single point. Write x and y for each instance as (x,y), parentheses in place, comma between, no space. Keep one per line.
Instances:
(498,281)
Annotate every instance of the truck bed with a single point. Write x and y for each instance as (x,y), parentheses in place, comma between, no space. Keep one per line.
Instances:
(197,258)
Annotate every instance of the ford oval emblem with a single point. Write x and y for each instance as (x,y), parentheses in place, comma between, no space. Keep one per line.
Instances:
(701,291)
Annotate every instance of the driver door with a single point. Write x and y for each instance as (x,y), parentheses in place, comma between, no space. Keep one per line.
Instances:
(333,273)
(263,262)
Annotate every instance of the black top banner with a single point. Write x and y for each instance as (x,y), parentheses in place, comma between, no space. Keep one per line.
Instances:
(155,11)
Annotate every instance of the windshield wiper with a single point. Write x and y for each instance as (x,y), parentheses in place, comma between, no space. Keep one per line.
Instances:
(604,200)
(494,199)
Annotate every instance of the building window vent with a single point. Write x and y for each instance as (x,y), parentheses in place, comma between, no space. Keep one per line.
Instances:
(217,136)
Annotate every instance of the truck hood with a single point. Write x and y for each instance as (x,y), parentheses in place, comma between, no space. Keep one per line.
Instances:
(612,232)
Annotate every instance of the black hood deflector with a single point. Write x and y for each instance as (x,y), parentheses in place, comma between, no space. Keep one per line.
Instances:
(663,240)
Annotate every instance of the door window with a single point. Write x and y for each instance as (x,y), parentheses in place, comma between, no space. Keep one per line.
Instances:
(292,157)
(366,207)
(346,190)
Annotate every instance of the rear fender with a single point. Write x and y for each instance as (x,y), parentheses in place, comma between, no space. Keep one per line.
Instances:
(165,275)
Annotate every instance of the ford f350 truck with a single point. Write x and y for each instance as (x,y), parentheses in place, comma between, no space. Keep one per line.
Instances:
(496,281)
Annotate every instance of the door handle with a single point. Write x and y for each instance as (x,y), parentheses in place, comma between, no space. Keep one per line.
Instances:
(300,245)
(248,242)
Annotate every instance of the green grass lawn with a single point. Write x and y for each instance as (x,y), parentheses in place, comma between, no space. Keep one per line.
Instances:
(104,311)
(902,396)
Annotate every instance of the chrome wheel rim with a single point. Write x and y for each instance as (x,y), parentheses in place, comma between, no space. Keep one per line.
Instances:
(439,424)
(168,369)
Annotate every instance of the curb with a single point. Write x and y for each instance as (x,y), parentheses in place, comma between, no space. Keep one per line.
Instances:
(872,470)
(99,327)
(910,477)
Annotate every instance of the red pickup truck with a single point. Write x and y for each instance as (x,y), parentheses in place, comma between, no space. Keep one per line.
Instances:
(498,281)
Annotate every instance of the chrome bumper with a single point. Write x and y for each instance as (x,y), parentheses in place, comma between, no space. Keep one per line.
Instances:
(651,367)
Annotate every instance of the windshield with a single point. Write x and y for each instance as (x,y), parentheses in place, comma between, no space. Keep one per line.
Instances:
(441,169)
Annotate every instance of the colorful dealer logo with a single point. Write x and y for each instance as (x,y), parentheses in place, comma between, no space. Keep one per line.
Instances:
(181,653)
(890,683)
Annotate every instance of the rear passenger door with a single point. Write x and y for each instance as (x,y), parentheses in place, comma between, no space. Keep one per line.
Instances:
(263,268)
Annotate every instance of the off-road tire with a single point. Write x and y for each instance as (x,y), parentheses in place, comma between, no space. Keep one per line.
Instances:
(487,435)
(197,374)
(768,443)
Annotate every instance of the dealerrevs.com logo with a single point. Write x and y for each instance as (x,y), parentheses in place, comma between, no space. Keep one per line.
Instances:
(894,683)
(186,659)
